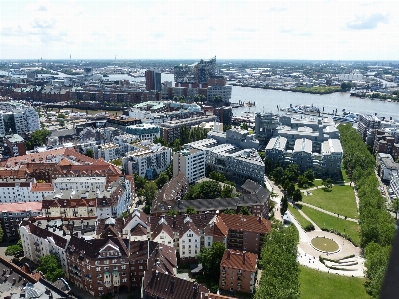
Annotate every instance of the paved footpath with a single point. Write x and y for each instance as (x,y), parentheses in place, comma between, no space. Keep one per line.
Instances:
(307,255)
(327,212)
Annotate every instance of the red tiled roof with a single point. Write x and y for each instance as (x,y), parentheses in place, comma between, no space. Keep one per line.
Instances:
(41,187)
(246,223)
(241,260)
(21,206)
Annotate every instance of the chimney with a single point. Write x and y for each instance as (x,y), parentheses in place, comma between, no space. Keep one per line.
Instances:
(260,219)
(148,248)
(172,286)
(174,221)
(228,254)
(243,257)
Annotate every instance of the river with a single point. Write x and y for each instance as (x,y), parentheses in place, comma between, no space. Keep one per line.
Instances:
(267,100)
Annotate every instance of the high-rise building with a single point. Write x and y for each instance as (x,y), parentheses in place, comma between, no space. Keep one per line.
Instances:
(16,118)
(153,81)
(191,163)
(199,72)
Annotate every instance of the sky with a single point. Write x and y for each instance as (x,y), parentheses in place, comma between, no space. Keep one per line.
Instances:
(194,29)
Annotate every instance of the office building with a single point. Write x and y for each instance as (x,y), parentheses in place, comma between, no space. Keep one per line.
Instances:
(144,131)
(199,72)
(153,81)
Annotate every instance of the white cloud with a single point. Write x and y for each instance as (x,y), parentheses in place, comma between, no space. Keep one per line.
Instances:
(198,29)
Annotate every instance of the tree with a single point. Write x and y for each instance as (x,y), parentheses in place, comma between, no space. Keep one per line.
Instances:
(227,192)
(61,115)
(205,189)
(217,176)
(395,207)
(89,153)
(162,180)
(217,99)
(290,189)
(280,275)
(327,183)
(244,211)
(229,211)
(176,145)
(303,182)
(345,86)
(210,259)
(139,182)
(190,210)
(50,267)
(124,214)
(37,138)
(172,212)
(284,205)
(150,192)
(15,249)
(1,234)
(297,195)
(309,174)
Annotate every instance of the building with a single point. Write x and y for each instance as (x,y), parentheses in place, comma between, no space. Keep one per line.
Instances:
(37,242)
(16,145)
(232,160)
(302,154)
(13,213)
(199,72)
(80,183)
(238,271)
(153,81)
(144,131)
(384,142)
(170,130)
(224,114)
(191,163)
(17,118)
(386,166)
(265,127)
(217,88)
(367,125)
(157,284)
(275,149)
(147,159)
(107,152)
(170,195)
(15,190)
(21,283)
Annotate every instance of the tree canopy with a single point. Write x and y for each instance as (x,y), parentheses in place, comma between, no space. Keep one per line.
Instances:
(190,210)
(37,138)
(51,267)
(280,275)
(205,189)
(15,249)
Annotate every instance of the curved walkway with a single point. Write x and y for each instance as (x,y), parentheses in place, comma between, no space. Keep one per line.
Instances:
(308,256)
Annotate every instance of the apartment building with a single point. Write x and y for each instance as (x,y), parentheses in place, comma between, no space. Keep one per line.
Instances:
(170,195)
(394,183)
(386,166)
(18,119)
(170,130)
(90,199)
(14,190)
(238,271)
(16,145)
(265,126)
(144,131)
(37,242)
(147,159)
(80,183)
(234,162)
(384,142)
(366,127)
(107,152)
(191,163)
(275,149)
(12,214)
(254,197)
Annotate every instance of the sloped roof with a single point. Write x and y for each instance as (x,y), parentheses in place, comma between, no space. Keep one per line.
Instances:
(241,260)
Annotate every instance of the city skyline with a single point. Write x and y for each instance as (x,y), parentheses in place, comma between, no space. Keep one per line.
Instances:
(294,30)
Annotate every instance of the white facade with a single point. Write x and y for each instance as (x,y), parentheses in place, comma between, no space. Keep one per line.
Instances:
(80,183)
(189,243)
(145,159)
(191,163)
(35,247)
(108,152)
(21,191)
(223,91)
(24,118)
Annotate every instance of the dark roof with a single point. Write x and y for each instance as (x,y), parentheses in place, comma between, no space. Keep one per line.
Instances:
(138,230)
(260,196)
(44,233)
(163,259)
(202,205)
(251,186)
(163,227)
(170,287)
(91,248)
(176,222)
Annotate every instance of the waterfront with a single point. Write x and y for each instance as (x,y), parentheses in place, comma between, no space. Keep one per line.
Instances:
(267,100)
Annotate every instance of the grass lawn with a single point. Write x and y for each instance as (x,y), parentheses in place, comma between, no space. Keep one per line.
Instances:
(345,175)
(316,183)
(302,221)
(341,200)
(320,285)
(349,228)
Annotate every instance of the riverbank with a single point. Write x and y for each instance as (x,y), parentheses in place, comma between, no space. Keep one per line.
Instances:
(313,90)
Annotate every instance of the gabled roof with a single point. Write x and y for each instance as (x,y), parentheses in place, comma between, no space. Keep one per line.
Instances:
(170,287)
(44,233)
(189,225)
(162,227)
(138,230)
(246,223)
(240,260)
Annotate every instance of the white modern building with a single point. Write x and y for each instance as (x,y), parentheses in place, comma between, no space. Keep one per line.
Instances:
(146,159)
(18,119)
(144,131)
(23,190)
(191,163)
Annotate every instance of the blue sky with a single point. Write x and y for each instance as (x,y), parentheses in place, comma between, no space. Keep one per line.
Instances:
(95,29)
